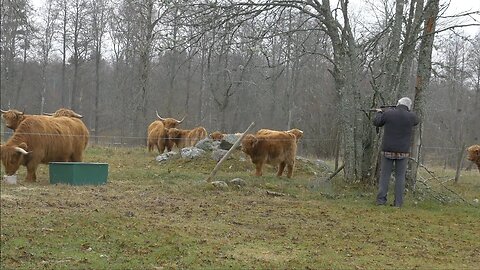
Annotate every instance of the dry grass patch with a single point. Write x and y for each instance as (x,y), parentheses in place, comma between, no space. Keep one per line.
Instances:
(154,215)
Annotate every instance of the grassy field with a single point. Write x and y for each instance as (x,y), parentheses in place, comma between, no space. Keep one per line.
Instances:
(154,215)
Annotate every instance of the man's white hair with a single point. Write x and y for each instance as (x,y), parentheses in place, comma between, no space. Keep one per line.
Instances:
(405,101)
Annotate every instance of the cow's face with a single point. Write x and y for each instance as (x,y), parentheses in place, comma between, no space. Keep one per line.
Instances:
(297,132)
(170,122)
(216,136)
(474,153)
(248,143)
(12,118)
(173,133)
(12,157)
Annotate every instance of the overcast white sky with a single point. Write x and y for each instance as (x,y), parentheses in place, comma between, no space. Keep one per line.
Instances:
(456,6)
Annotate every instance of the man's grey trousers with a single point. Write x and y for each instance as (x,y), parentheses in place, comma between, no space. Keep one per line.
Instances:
(385,172)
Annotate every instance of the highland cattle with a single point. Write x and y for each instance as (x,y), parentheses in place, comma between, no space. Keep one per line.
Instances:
(186,137)
(474,154)
(13,118)
(274,148)
(157,133)
(42,139)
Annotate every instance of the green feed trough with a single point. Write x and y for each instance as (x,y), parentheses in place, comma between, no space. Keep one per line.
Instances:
(78,173)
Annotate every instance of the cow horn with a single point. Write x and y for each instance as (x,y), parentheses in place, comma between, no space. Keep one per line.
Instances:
(181,120)
(49,114)
(159,117)
(21,150)
(3,111)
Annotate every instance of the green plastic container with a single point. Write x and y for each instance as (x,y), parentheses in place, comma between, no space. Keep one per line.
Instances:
(78,173)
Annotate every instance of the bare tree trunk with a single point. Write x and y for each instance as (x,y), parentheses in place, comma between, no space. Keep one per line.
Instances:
(408,51)
(22,74)
(461,154)
(98,28)
(423,77)
(63,86)
(345,75)
(145,46)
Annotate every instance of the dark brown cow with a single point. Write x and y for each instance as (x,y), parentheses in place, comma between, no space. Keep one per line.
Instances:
(157,135)
(474,154)
(295,131)
(216,136)
(42,139)
(64,112)
(186,137)
(274,148)
(13,118)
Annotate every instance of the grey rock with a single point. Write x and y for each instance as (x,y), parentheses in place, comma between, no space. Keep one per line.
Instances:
(238,182)
(218,154)
(165,156)
(191,152)
(207,144)
(220,184)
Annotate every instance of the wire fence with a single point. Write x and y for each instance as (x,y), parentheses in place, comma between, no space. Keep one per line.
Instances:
(443,156)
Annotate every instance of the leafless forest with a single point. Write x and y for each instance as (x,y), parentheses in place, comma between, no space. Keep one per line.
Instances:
(312,65)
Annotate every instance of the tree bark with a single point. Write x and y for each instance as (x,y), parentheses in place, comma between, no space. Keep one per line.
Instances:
(423,76)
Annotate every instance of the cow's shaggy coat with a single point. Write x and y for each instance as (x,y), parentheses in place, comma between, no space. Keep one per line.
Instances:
(13,118)
(157,133)
(274,148)
(186,137)
(474,154)
(43,139)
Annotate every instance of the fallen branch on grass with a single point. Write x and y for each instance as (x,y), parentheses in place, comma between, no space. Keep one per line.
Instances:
(275,194)
(432,174)
(214,171)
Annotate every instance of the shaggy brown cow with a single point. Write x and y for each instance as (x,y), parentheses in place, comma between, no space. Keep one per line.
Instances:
(295,131)
(64,112)
(216,136)
(157,135)
(13,118)
(474,154)
(186,137)
(42,139)
(274,148)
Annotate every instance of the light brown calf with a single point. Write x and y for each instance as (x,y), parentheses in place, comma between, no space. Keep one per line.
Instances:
(474,154)
(186,137)
(274,148)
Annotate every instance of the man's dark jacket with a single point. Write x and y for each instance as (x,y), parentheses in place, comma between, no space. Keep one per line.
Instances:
(398,128)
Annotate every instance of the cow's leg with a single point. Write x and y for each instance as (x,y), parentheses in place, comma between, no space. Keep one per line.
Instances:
(31,172)
(169,145)
(161,146)
(290,169)
(281,167)
(258,168)
(76,157)
(478,165)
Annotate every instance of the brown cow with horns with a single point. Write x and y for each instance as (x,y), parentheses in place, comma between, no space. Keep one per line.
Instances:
(64,112)
(42,139)
(271,147)
(157,135)
(13,117)
(474,154)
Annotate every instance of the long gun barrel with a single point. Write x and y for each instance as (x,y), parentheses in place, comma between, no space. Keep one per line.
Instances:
(383,107)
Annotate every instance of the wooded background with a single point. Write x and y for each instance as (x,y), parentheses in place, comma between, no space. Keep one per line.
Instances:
(312,65)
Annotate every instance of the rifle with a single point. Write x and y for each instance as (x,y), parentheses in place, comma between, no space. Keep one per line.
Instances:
(382,107)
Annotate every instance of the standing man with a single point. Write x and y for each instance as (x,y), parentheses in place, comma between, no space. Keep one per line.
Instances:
(398,126)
